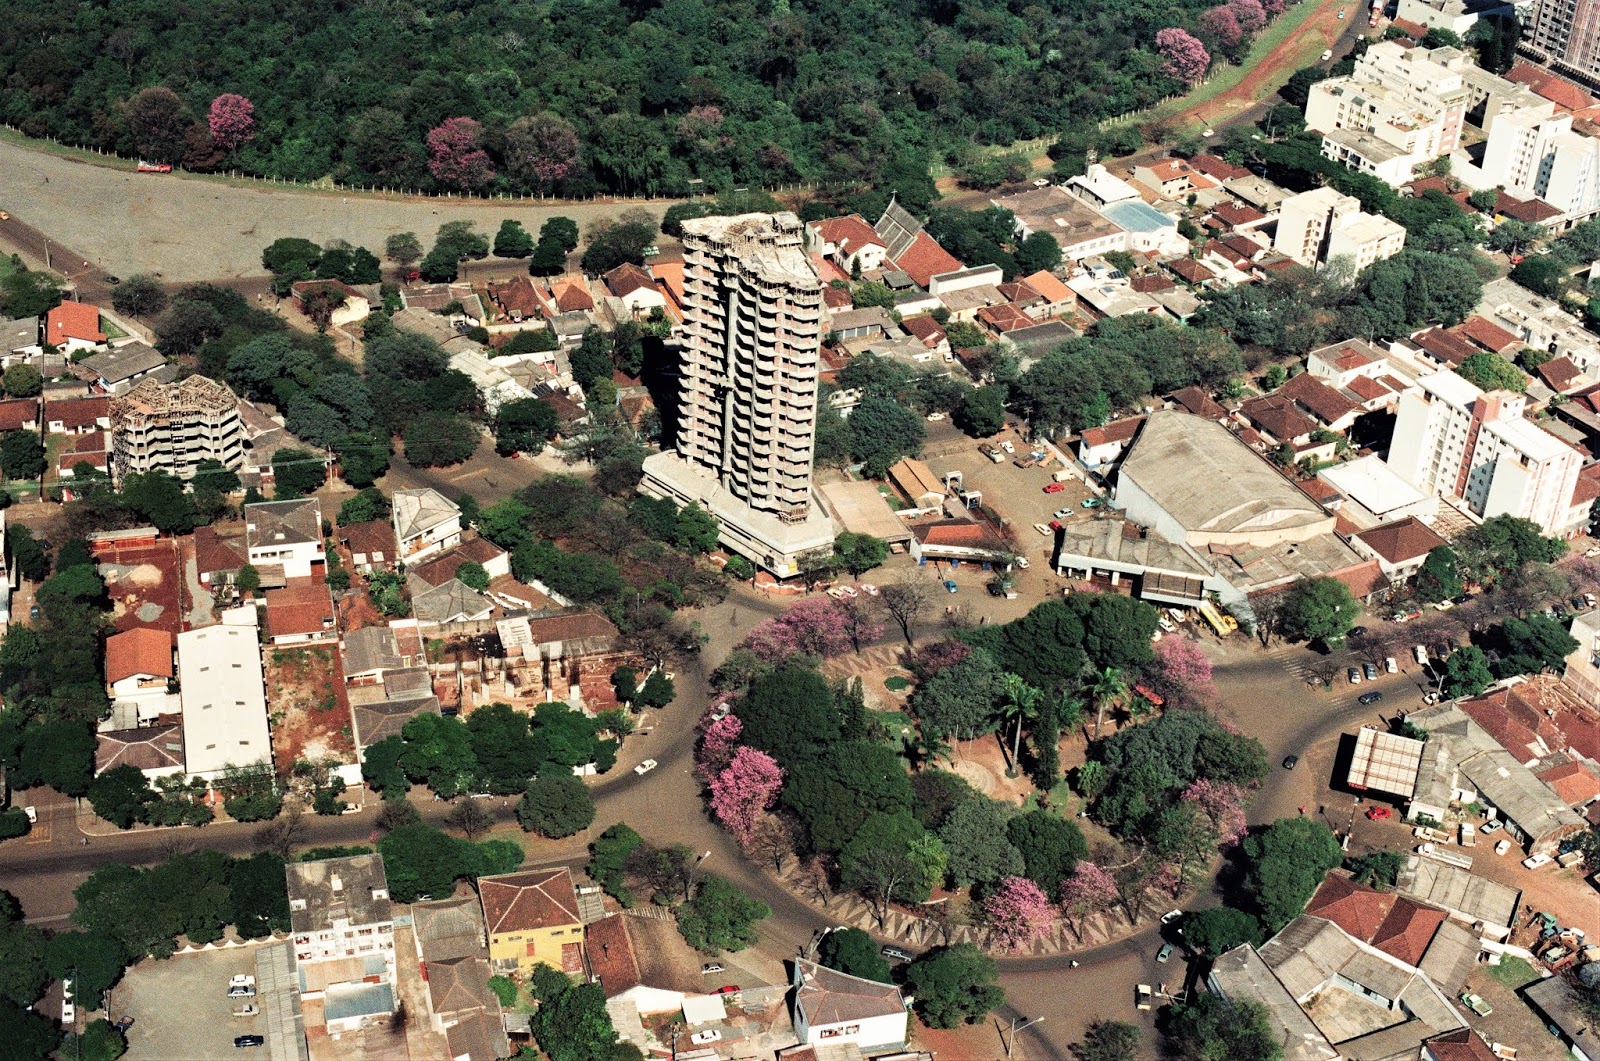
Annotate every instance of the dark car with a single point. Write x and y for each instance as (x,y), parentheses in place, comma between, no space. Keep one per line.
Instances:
(1290,762)
(896,954)
(112,280)
(242,1041)
(124,1024)
(1356,631)
(1370,670)
(1369,698)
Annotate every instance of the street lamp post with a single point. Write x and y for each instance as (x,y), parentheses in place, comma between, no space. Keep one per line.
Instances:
(688,888)
(1015,1029)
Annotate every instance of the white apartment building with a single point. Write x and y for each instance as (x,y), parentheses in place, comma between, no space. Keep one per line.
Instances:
(425,523)
(1452,439)
(1539,322)
(1317,226)
(1399,108)
(343,927)
(1532,152)
(752,326)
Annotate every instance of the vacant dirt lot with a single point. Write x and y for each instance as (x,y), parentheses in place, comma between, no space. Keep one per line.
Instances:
(305,686)
(197,229)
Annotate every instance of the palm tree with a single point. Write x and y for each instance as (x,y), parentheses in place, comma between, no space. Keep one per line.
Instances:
(1108,685)
(925,746)
(1021,703)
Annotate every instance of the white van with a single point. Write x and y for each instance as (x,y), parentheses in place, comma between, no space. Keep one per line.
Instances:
(1419,654)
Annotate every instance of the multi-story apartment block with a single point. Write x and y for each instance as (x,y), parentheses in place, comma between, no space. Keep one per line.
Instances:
(1566,34)
(343,929)
(1317,226)
(1398,108)
(752,327)
(172,427)
(1533,152)
(1452,439)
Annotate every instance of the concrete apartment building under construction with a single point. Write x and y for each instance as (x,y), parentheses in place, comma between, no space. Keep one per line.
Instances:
(172,427)
(753,324)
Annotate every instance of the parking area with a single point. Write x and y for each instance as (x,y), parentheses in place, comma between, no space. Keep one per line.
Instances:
(1017,494)
(181,1007)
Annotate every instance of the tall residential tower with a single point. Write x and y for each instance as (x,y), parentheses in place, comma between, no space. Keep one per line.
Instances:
(752,327)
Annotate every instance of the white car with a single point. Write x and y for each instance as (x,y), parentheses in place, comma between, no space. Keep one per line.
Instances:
(1170,916)
(645,767)
(33,815)
(846,591)
(1502,847)
(710,1035)
(1391,665)
(1419,654)
(1062,513)
(242,980)
(1537,861)
(1492,826)
(934,418)
(1167,624)
(1022,562)
(1177,615)
(869,589)
(1008,446)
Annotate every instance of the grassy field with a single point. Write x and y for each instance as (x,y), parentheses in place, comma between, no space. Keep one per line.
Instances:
(111,330)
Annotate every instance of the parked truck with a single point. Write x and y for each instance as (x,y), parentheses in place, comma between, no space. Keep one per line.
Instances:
(1469,834)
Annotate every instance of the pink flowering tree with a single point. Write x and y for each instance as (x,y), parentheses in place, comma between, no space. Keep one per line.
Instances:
(232,121)
(744,790)
(1223,803)
(1273,7)
(1019,913)
(813,627)
(717,745)
(455,155)
(1250,13)
(1185,58)
(1085,892)
(1183,669)
(931,659)
(541,149)
(1222,26)
(701,124)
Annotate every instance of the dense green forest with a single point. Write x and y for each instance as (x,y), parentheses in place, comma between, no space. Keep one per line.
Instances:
(576,96)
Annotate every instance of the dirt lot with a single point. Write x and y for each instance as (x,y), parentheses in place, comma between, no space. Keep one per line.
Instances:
(203,1025)
(196,229)
(305,686)
(146,586)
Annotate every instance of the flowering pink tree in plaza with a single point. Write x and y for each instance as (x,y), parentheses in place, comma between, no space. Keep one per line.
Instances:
(1019,913)
(1250,13)
(455,157)
(744,790)
(1273,7)
(813,627)
(717,746)
(1223,803)
(1184,668)
(232,121)
(1086,891)
(1222,26)
(931,659)
(1186,58)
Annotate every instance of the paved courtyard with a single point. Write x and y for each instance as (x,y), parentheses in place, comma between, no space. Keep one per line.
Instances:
(181,1007)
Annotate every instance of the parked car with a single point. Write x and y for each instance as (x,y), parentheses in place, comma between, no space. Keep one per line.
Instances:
(645,767)
(1538,861)
(1492,827)
(1354,675)
(1476,1004)
(1379,813)
(1164,955)
(1177,615)
(896,954)
(1091,502)
(1370,670)
(1502,847)
(243,1041)
(1054,488)
(241,992)
(1022,562)
(1419,653)
(1170,916)
(112,280)
(711,1035)
(33,815)
(1326,55)
(1043,528)
(1062,513)
(249,1009)
(124,1024)
(1391,665)
(1370,698)
(1167,624)
(869,589)
(1356,631)
(242,980)
(951,587)
(1008,446)
(727,989)
(933,418)
(1290,762)
(1055,524)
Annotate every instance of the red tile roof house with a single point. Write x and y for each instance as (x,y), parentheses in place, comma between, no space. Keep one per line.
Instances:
(1004,318)
(19,414)
(74,326)
(516,298)
(1334,410)
(1099,446)
(955,539)
(928,332)
(1400,547)
(925,259)
(636,288)
(1278,420)
(846,240)
(1573,782)
(301,612)
(1562,375)
(92,449)
(77,416)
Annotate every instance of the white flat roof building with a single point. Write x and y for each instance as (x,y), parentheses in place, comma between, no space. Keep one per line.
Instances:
(224,700)
(1374,486)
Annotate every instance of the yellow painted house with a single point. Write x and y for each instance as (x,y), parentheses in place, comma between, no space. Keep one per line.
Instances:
(532,918)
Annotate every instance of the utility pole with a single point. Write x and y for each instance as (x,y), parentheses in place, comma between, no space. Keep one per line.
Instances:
(1015,1029)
